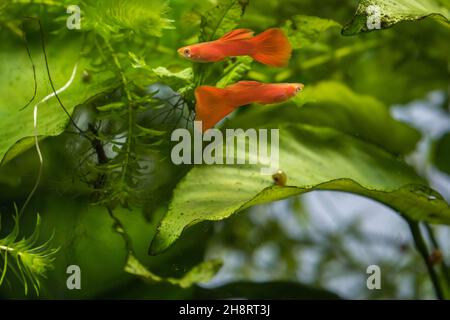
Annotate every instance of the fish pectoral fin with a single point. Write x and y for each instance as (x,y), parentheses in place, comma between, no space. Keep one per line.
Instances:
(238,34)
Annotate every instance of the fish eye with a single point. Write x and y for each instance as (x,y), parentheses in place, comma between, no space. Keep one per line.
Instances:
(187,52)
(298,89)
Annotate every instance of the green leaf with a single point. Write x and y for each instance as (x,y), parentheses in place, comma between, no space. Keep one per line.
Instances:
(199,274)
(111,106)
(441,153)
(392,12)
(86,237)
(17,87)
(175,80)
(264,290)
(235,71)
(334,105)
(133,266)
(222,18)
(150,132)
(111,17)
(303,31)
(313,158)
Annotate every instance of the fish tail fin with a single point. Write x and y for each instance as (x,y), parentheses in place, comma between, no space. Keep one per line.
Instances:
(212,105)
(272,48)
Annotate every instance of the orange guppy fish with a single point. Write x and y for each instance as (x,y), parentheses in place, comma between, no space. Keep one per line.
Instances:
(213,104)
(270,47)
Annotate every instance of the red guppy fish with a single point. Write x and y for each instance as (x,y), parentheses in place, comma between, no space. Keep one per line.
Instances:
(270,47)
(213,104)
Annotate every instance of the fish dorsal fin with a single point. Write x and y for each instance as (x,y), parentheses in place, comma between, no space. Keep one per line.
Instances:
(238,34)
(248,83)
(245,85)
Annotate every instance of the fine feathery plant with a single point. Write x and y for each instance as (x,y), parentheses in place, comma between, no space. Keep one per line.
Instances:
(134,119)
(25,257)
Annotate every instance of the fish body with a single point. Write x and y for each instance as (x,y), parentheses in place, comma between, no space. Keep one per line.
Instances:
(270,47)
(213,104)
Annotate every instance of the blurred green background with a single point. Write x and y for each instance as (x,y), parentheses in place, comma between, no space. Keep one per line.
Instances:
(315,245)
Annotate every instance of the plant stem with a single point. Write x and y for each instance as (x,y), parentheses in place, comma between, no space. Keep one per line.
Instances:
(120,229)
(423,250)
(125,84)
(444,266)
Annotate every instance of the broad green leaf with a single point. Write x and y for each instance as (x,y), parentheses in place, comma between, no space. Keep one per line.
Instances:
(313,158)
(380,14)
(199,274)
(332,104)
(376,61)
(235,71)
(86,238)
(17,87)
(264,290)
(110,17)
(175,80)
(303,31)
(398,69)
(133,266)
(441,153)
(222,18)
